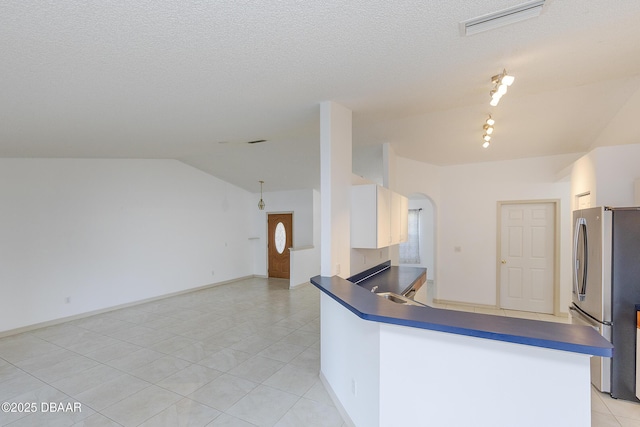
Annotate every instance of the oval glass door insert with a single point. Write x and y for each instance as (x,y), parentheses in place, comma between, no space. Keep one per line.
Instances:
(280,237)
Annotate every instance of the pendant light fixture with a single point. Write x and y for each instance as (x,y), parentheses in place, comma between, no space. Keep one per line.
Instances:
(261,202)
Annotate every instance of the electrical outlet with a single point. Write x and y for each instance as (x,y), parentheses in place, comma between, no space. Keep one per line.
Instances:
(213,272)
(67,300)
(354,387)
(337,268)
(364,259)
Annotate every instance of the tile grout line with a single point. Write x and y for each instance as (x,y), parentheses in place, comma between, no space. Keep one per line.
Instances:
(310,329)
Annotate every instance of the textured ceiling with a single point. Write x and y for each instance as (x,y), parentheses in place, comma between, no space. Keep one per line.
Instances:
(171,79)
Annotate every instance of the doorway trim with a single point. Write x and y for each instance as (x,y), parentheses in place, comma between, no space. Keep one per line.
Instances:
(556,248)
(433,228)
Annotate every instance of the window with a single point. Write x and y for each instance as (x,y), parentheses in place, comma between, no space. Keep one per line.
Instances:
(410,250)
(280,237)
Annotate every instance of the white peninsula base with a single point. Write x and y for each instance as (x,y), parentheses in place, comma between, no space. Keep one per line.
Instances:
(387,375)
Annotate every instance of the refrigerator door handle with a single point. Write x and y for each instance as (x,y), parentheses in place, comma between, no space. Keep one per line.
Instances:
(580,288)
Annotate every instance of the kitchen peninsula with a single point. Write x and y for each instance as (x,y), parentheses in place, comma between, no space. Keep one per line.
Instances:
(390,364)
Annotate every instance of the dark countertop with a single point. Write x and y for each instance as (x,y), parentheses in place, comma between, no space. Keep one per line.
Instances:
(366,305)
(388,278)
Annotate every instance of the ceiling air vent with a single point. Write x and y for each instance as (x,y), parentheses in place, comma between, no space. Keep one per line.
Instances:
(257,141)
(501,18)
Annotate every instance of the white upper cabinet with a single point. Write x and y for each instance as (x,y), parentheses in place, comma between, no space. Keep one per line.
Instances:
(377,217)
(370,220)
(395,218)
(399,218)
(404,219)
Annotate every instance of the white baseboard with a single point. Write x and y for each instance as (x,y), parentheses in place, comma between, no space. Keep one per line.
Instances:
(299,284)
(464,304)
(343,413)
(58,321)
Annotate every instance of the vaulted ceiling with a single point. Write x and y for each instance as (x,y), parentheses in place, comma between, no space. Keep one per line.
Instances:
(195,81)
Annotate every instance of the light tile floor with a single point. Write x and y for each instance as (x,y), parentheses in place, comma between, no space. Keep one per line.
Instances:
(503,312)
(242,354)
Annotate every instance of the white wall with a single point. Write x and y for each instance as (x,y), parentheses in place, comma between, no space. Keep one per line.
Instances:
(364,259)
(583,179)
(465,199)
(469,196)
(335,189)
(419,178)
(305,263)
(617,169)
(609,174)
(110,232)
(301,203)
(466,196)
(350,361)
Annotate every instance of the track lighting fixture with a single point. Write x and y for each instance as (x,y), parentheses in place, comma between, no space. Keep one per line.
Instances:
(488,130)
(500,84)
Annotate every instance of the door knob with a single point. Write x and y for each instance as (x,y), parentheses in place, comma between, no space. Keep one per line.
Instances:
(504,261)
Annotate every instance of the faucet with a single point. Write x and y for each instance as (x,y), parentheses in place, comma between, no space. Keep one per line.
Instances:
(374,288)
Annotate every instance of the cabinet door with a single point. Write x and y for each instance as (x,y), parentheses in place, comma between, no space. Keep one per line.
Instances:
(404,219)
(384,217)
(371,217)
(364,217)
(396,207)
(399,218)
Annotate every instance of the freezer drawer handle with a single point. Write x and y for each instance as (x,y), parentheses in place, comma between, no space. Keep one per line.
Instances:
(580,289)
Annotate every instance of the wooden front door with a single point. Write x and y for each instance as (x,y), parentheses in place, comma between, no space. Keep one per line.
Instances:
(280,229)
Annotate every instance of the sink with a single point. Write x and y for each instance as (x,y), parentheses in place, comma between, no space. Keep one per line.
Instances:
(398,299)
(392,297)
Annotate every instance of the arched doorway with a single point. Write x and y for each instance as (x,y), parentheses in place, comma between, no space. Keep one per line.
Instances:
(423,208)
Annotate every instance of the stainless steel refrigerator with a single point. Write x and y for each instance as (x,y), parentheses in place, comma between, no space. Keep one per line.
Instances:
(606,288)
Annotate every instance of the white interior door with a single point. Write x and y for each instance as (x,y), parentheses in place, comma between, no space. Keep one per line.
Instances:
(527,257)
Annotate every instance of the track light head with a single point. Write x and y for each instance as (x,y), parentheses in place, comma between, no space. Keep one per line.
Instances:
(500,84)
(488,131)
(508,80)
